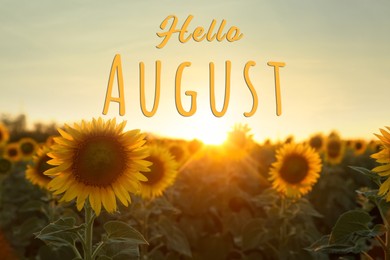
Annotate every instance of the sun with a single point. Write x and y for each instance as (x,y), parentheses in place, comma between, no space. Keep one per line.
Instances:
(213,137)
(207,129)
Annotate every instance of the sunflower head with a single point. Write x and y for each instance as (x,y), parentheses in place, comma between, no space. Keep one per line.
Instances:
(5,166)
(28,147)
(334,149)
(383,157)
(179,152)
(162,172)
(374,146)
(359,146)
(50,140)
(4,134)
(194,146)
(12,152)
(296,170)
(317,142)
(34,172)
(240,136)
(99,161)
(239,142)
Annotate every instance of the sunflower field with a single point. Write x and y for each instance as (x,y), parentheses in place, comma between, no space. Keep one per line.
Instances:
(94,190)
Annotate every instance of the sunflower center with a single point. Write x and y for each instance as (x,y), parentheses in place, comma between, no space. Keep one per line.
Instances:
(43,166)
(358,146)
(294,169)
(316,142)
(334,148)
(12,152)
(157,171)
(1,136)
(99,161)
(27,148)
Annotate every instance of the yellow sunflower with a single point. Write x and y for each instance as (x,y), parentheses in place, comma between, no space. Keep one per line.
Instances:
(239,142)
(162,172)
(34,172)
(179,153)
(4,134)
(317,142)
(12,152)
(374,146)
(359,146)
(27,146)
(296,170)
(50,140)
(98,161)
(334,149)
(383,157)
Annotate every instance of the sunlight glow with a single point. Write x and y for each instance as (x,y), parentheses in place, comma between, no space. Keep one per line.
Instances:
(212,137)
(208,130)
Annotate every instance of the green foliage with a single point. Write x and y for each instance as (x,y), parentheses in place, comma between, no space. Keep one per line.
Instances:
(118,231)
(217,209)
(62,232)
(175,238)
(354,231)
(371,175)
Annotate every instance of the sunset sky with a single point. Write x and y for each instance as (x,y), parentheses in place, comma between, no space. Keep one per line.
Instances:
(56,57)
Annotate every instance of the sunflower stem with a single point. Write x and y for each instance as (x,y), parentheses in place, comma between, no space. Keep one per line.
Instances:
(367,256)
(96,251)
(146,210)
(89,219)
(384,215)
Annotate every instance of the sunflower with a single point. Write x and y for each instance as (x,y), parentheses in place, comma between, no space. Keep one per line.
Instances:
(383,157)
(359,146)
(374,146)
(296,170)
(317,142)
(50,140)
(194,146)
(179,152)
(239,142)
(334,149)
(162,172)
(4,134)
(97,160)
(34,172)
(28,146)
(5,166)
(12,152)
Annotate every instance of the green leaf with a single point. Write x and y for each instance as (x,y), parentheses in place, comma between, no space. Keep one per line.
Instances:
(254,234)
(322,245)
(266,198)
(60,233)
(369,194)
(176,239)
(307,209)
(59,253)
(122,232)
(372,175)
(348,224)
(115,250)
(29,226)
(378,230)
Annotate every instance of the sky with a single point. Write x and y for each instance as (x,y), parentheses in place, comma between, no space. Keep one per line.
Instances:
(56,56)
